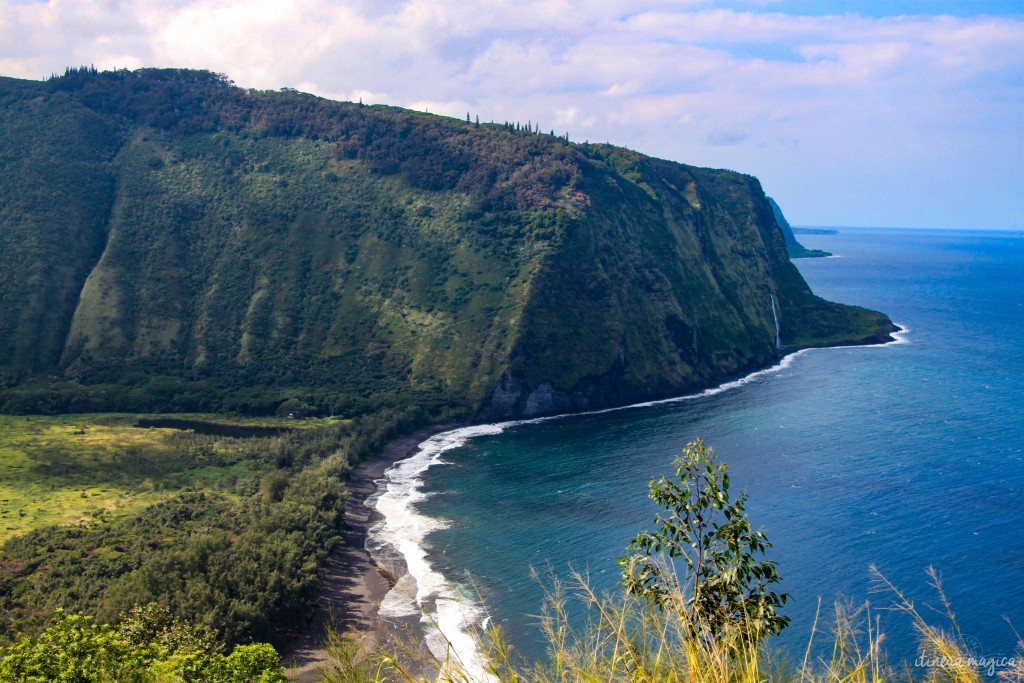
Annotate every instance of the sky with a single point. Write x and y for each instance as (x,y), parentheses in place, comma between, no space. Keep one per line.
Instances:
(903,114)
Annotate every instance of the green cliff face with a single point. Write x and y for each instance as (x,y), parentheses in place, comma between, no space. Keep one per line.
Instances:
(795,249)
(171,242)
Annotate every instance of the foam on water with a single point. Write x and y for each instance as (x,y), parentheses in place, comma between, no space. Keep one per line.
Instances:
(448,612)
(448,615)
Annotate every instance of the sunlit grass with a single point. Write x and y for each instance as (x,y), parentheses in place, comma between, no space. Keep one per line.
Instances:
(87,469)
(628,639)
(59,470)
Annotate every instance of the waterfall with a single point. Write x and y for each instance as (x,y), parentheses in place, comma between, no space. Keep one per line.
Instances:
(775,316)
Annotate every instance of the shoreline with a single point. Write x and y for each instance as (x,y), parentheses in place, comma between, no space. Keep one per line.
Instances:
(354,585)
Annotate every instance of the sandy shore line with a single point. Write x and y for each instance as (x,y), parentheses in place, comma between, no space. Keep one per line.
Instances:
(354,585)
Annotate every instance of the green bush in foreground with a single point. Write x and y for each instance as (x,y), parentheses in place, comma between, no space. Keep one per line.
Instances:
(149,646)
(726,585)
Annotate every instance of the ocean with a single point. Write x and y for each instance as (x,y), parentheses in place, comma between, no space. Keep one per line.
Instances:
(902,457)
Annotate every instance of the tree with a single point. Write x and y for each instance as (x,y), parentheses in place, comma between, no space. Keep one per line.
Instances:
(294,407)
(149,645)
(725,587)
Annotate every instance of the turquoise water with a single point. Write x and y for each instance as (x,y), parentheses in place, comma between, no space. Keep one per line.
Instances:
(901,456)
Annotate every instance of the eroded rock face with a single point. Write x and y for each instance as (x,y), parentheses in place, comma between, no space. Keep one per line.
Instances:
(511,399)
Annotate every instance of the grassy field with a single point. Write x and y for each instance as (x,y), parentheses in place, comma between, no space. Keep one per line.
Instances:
(86,469)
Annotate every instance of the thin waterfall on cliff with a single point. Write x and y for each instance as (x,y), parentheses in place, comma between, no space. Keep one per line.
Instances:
(775,316)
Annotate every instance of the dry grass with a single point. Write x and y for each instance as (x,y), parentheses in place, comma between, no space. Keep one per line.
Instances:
(627,639)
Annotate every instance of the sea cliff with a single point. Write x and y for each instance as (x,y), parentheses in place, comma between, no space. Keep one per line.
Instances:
(171,242)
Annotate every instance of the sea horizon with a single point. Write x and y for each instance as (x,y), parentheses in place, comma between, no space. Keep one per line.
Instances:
(979,231)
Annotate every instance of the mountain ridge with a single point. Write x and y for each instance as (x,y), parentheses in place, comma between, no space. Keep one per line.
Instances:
(172,242)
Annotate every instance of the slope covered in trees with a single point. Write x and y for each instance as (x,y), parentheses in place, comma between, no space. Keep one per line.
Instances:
(169,241)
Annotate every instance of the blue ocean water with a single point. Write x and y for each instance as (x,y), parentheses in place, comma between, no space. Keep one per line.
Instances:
(904,456)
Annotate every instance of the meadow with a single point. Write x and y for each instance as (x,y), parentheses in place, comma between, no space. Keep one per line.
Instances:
(88,469)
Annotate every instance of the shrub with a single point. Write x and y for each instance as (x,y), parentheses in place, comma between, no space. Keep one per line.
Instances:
(725,585)
(150,645)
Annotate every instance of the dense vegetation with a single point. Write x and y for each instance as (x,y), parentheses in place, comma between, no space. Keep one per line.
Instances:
(241,556)
(149,645)
(90,469)
(171,242)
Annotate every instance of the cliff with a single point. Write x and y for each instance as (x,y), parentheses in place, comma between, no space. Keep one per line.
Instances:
(171,242)
(795,249)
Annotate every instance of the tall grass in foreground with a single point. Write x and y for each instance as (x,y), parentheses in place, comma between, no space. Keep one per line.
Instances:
(698,604)
(627,638)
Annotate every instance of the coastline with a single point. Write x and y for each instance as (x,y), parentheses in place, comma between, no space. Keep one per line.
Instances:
(354,585)
(443,616)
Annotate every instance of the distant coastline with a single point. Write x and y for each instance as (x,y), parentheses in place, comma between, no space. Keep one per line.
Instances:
(814,231)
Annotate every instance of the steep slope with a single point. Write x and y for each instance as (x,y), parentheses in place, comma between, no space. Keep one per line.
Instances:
(55,202)
(173,242)
(796,250)
(675,280)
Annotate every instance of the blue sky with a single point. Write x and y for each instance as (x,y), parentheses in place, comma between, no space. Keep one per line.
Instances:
(851,113)
(885,8)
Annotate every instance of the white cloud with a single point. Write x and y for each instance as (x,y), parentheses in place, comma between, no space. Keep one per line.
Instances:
(810,103)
